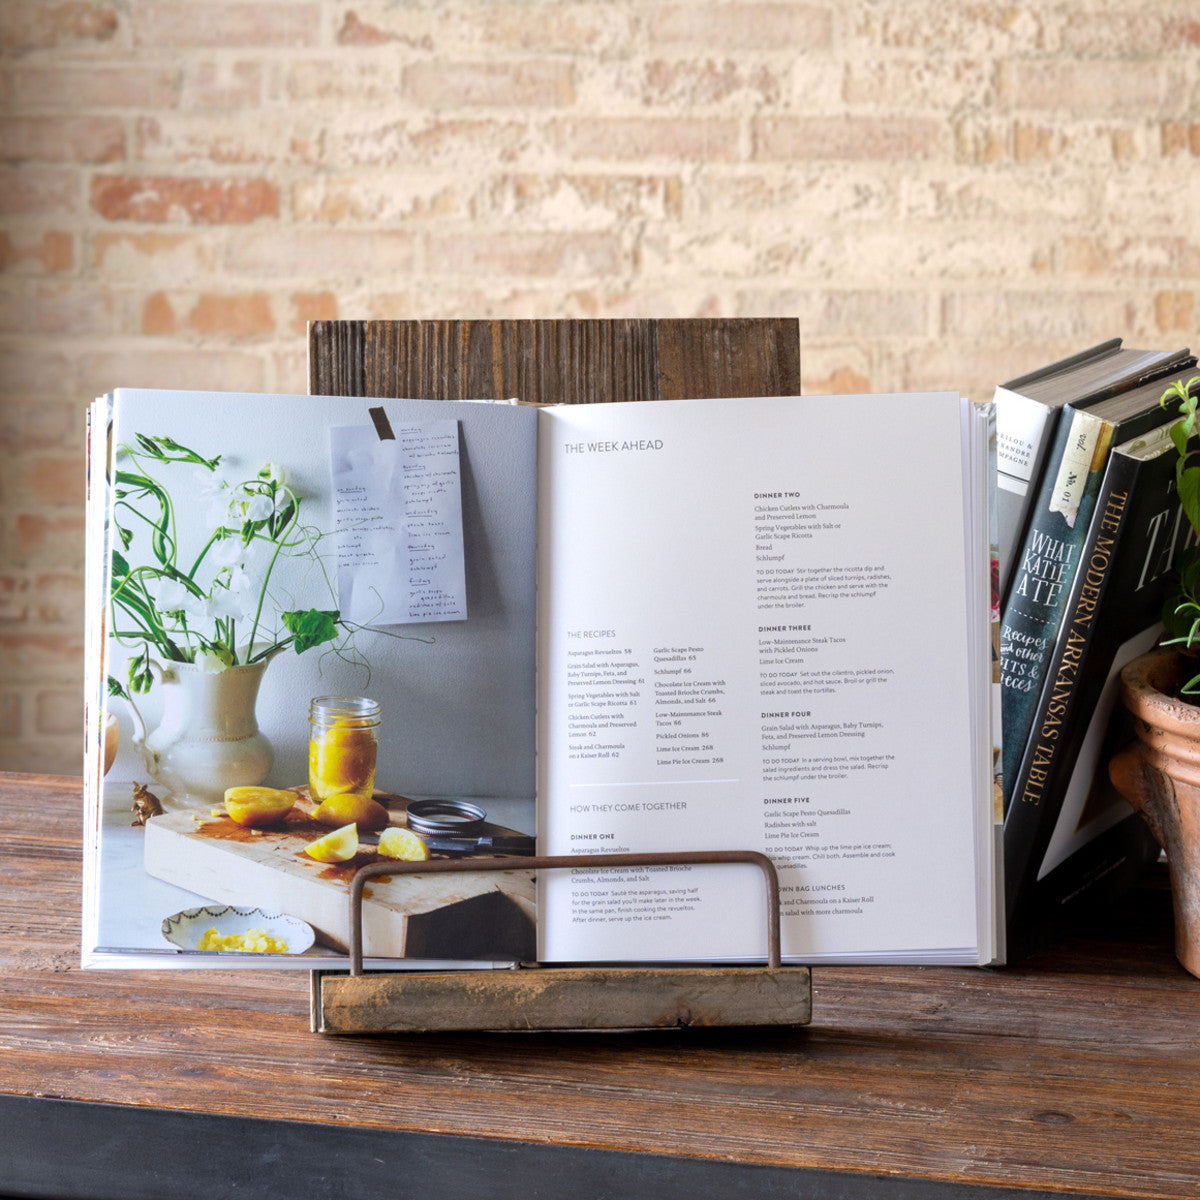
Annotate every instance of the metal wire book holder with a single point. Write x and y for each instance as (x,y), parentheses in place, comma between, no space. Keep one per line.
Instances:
(539,997)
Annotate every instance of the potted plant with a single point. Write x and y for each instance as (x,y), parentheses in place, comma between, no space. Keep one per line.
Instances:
(1159,774)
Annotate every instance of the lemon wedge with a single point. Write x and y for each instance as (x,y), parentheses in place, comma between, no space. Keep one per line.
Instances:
(402,843)
(338,846)
(352,808)
(255,806)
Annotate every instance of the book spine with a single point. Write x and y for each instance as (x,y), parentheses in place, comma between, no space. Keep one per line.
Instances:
(1035,792)
(1044,573)
(1024,429)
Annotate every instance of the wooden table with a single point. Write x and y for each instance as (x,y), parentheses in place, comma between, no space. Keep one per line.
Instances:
(1077,1073)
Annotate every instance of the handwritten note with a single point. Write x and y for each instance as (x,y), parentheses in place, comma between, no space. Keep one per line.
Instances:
(398,518)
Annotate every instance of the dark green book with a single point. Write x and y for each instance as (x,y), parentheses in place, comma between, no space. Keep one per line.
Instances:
(1058,527)
(1070,841)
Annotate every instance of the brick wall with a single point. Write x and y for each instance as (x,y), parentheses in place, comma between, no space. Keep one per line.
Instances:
(944,193)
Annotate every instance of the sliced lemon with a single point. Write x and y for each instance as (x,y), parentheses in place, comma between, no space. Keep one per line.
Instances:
(352,808)
(255,806)
(338,846)
(402,843)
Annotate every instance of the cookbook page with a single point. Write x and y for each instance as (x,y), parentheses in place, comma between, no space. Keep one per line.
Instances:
(755,633)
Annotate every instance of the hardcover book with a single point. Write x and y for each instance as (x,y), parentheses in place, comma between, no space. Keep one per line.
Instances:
(672,625)
(1071,840)
(1027,416)
(1051,554)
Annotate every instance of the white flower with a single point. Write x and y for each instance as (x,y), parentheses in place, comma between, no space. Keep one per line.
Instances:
(169,594)
(209,663)
(228,552)
(258,507)
(272,473)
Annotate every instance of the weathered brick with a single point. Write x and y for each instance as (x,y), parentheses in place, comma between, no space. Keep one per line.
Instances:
(849,138)
(143,364)
(685,83)
(176,138)
(1181,137)
(36,658)
(62,308)
(335,79)
(580,201)
(85,88)
(14,600)
(59,710)
(46,482)
(1107,87)
(576,28)
(688,139)
(274,254)
(1173,257)
(183,26)
(224,85)
(42,25)
(856,192)
(50,542)
(1064,317)
(40,191)
(986,29)
(1175,312)
(62,139)
(437,85)
(519,255)
(312,306)
(158,315)
(434,144)
(749,26)
(43,252)
(835,368)
(384,199)
(378,24)
(917,84)
(236,316)
(152,256)
(31,425)
(10,714)
(170,199)
(1137,33)
(57,600)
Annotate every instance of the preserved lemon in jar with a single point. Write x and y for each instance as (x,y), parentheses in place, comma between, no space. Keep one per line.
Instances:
(342,745)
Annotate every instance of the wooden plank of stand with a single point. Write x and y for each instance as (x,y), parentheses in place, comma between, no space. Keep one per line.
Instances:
(561,998)
(556,362)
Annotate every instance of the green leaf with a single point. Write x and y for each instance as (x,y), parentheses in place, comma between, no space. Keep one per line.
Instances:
(115,688)
(120,565)
(1189,495)
(140,677)
(313,627)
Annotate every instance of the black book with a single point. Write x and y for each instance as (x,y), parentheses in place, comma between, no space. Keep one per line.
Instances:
(1070,841)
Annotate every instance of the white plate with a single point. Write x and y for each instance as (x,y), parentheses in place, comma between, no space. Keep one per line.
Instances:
(185,929)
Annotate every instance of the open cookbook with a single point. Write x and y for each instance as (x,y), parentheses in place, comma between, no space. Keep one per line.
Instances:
(327,631)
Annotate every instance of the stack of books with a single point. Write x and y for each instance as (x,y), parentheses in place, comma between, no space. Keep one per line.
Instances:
(1090,528)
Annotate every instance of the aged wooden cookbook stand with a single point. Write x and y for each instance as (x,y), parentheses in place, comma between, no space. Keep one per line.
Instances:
(559,362)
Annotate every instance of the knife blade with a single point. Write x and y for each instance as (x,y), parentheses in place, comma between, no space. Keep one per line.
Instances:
(518,843)
(494,844)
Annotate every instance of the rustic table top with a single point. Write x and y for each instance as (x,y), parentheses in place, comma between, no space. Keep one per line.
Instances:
(1077,1072)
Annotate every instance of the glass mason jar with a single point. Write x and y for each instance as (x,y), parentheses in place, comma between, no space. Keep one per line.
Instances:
(342,743)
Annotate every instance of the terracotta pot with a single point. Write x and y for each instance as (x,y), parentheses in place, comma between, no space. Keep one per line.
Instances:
(1159,775)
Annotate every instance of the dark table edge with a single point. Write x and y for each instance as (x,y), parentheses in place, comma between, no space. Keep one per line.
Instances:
(75,1149)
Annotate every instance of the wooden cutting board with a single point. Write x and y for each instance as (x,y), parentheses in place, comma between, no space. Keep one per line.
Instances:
(472,916)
